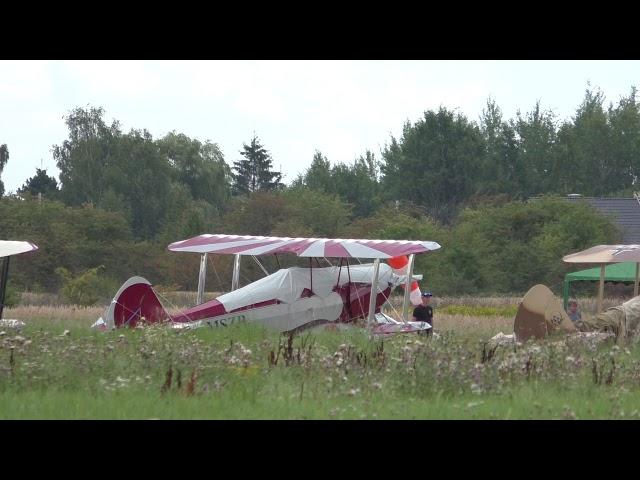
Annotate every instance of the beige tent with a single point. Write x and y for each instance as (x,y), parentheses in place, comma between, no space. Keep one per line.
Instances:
(606,254)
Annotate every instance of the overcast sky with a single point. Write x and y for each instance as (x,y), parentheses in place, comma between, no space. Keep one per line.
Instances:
(341,108)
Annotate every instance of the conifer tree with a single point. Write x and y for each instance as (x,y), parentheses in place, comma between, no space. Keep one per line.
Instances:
(254,172)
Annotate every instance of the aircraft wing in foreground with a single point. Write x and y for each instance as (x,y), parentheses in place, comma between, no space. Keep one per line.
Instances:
(9,248)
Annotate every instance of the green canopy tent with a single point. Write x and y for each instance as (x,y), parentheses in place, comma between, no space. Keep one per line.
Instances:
(615,272)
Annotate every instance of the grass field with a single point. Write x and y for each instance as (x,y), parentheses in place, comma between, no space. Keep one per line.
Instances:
(57,368)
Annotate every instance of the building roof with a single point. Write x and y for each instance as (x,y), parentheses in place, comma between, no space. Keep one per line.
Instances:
(625,212)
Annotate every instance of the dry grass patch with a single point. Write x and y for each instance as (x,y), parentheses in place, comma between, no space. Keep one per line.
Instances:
(55,314)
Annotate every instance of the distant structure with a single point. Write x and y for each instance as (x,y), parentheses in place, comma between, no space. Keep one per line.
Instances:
(625,212)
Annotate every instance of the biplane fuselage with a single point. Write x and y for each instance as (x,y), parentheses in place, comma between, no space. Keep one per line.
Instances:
(346,303)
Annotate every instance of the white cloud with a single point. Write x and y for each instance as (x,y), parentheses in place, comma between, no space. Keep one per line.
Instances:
(24,81)
(295,107)
(127,78)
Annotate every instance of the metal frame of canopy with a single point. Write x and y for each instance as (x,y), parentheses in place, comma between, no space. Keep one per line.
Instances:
(617,272)
(4,276)
(604,255)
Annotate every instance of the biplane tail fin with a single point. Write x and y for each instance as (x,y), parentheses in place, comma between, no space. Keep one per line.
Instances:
(539,314)
(135,302)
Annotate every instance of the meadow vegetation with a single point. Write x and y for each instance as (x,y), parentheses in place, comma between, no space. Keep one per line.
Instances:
(56,367)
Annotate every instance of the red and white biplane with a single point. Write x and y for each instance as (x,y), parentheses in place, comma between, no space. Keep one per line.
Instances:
(289,299)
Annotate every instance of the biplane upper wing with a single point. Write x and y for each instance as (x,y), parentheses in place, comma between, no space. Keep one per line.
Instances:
(302,247)
(12,247)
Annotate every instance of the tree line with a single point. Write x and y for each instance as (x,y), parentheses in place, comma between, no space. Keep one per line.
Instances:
(123,196)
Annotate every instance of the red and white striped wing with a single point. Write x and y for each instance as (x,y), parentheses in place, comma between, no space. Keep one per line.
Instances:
(302,247)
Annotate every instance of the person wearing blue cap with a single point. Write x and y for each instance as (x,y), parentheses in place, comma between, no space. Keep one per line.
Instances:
(424,312)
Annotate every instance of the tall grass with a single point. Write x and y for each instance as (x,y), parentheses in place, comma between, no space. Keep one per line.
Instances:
(55,315)
(246,371)
(56,367)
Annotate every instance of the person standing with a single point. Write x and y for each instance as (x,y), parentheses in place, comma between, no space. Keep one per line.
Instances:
(573,312)
(424,312)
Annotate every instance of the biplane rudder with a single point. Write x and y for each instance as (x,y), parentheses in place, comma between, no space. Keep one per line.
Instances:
(134,303)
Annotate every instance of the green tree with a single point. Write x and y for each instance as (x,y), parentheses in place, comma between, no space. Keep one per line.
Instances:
(358,184)
(317,176)
(103,167)
(435,164)
(501,170)
(4,158)
(201,167)
(537,148)
(625,131)
(255,214)
(313,213)
(142,177)
(254,172)
(587,163)
(86,157)
(40,183)
(186,217)
(87,288)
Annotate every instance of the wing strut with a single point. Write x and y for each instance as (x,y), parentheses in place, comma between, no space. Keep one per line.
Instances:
(235,280)
(339,272)
(202,278)
(260,265)
(407,289)
(374,293)
(349,291)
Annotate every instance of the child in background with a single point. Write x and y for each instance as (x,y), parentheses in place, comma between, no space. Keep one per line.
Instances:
(573,312)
